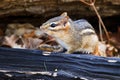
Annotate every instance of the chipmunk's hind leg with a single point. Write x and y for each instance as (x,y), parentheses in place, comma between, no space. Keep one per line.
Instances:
(96,51)
(100,50)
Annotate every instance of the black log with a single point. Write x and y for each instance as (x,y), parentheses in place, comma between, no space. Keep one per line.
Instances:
(21,64)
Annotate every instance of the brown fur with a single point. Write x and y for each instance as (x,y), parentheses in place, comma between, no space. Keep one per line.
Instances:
(71,38)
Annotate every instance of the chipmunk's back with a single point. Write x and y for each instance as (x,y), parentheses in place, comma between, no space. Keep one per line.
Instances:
(82,24)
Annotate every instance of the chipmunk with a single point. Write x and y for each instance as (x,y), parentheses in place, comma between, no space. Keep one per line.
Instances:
(74,36)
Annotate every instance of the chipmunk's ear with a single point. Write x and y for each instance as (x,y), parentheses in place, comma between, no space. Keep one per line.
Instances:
(64,14)
(65,18)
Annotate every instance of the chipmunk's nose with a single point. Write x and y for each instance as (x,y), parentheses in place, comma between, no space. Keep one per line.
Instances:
(42,28)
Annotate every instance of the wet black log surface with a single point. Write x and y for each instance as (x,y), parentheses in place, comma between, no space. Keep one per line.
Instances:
(20,64)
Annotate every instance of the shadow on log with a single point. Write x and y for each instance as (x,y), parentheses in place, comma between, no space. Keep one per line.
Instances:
(21,64)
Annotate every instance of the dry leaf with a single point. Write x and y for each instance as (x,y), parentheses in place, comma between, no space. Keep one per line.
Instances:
(19,29)
(111,51)
(27,35)
(11,41)
(31,43)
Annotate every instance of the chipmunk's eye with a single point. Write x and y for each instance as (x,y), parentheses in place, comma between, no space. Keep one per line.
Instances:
(53,24)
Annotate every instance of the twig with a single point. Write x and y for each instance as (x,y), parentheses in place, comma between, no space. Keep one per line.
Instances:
(92,4)
(100,29)
(45,66)
(48,41)
(100,19)
(85,2)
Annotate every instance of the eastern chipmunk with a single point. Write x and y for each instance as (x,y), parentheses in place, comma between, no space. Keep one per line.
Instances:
(73,35)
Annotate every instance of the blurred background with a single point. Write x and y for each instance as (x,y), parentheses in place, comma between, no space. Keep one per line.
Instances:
(37,12)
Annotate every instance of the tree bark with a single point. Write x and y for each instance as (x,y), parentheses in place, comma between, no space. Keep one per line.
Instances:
(49,8)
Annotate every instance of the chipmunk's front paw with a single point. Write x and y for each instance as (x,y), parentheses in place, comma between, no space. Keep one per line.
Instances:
(50,48)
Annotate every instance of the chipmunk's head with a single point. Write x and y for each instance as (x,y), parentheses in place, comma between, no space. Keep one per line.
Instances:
(57,25)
